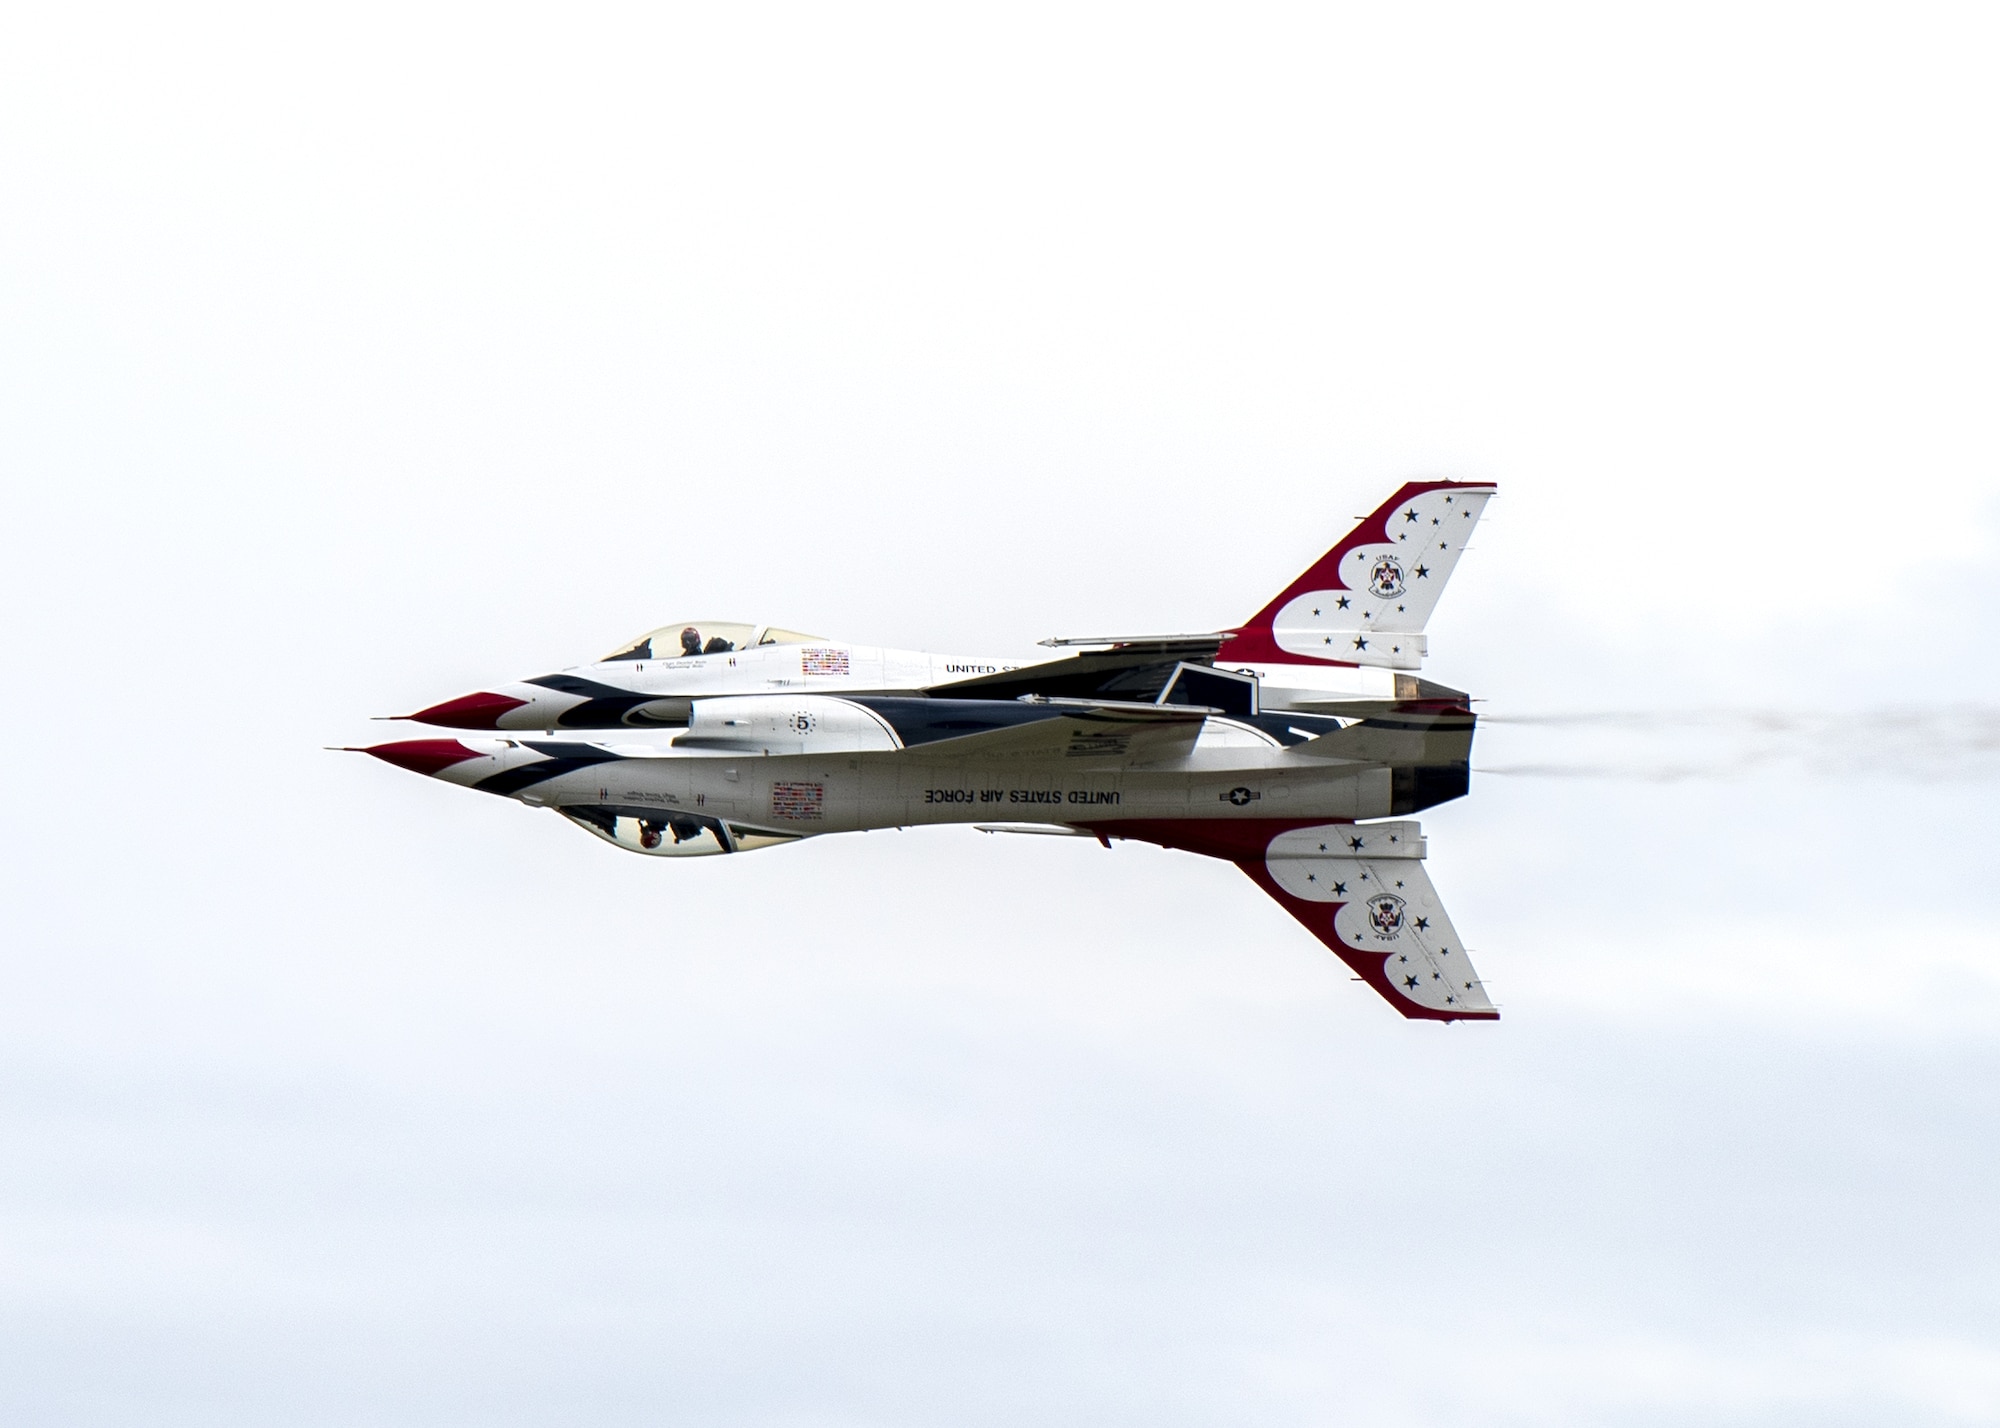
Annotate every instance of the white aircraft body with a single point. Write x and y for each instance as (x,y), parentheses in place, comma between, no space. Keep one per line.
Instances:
(1346,631)
(1272,745)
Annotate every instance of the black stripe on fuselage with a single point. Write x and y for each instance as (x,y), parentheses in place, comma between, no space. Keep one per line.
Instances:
(927,721)
(587,688)
(561,758)
(605,705)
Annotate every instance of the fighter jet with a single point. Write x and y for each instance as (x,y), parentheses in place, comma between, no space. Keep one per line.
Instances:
(1282,758)
(1347,632)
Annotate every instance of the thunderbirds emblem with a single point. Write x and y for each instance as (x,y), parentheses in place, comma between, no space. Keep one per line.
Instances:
(1386,579)
(1385,913)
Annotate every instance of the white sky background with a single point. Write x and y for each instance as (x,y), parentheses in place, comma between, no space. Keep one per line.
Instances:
(351,360)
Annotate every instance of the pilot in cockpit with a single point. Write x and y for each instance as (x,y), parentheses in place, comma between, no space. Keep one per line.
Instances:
(691,644)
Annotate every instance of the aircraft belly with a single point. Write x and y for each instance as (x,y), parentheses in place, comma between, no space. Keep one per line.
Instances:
(888,792)
(807,794)
(959,792)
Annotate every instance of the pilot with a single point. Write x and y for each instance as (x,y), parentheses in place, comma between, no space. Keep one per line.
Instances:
(690,642)
(649,834)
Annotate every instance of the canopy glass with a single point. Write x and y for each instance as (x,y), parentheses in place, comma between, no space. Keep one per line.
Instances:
(684,639)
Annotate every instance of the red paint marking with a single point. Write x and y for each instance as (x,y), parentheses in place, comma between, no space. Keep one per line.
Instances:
(1317,918)
(1230,839)
(1244,841)
(1253,643)
(473,711)
(424,756)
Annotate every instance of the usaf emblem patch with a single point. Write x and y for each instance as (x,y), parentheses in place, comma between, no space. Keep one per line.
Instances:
(1385,915)
(1386,579)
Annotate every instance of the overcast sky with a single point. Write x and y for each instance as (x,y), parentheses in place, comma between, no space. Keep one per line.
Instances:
(355,358)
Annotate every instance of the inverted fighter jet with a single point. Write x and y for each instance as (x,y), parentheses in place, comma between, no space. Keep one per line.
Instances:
(1275,745)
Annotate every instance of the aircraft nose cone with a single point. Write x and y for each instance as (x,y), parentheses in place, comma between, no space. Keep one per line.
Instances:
(424,756)
(472,711)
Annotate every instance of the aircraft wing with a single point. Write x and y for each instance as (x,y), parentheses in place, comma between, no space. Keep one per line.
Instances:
(1361,889)
(1077,732)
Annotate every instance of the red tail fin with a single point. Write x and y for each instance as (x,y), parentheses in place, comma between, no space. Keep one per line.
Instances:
(1366,601)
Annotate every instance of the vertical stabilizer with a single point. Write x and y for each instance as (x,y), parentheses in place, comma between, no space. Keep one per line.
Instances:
(1361,889)
(1367,600)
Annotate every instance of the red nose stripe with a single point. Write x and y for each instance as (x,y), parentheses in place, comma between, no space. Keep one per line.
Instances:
(424,756)
(474,711)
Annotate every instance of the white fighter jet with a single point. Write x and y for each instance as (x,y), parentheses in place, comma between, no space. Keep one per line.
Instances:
(1347,631)
(1274,745)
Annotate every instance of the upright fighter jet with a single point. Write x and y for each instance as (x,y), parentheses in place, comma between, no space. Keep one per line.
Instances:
(1347,631)
(1273,744)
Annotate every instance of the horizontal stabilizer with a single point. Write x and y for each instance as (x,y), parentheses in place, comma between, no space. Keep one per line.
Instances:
(1361,889)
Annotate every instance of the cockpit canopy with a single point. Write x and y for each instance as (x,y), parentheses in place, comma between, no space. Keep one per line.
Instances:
(685,638)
